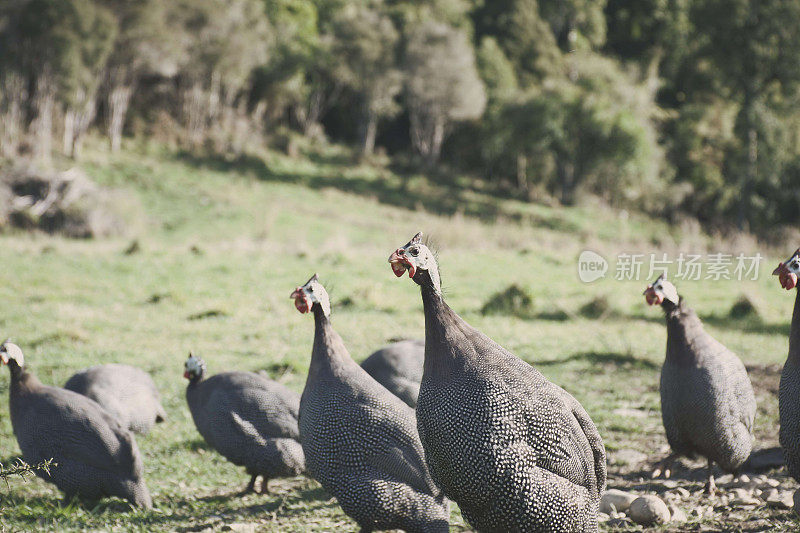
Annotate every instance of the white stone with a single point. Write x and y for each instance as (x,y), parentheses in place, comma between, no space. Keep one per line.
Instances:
(648,510)
(617,499)
(781,500)
(742,498)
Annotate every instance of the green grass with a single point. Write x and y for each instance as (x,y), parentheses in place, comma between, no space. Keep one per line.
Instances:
(223,243)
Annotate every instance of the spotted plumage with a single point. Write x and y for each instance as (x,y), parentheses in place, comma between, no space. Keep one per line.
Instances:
(515,451)
(360,440)
(789,389)
(94,455)
(249,419)
(126,392)
(398,367)
(707,402)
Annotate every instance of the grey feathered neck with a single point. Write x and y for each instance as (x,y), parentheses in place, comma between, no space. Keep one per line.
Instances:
(794,332)
(329,350)
(684,328)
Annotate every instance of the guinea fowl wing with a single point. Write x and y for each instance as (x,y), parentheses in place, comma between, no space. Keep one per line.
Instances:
(401,455)
(87,434)
(552,428)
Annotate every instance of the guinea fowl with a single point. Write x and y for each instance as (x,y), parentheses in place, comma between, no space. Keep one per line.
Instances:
(126,392)
(360,440)
(398,367)
(707,402)
(249,419)
(94,456)
(789,389)
(515,451)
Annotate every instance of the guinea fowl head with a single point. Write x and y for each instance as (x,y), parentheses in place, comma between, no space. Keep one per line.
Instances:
(788,271)
(312,295)
(11,355)
(416,258)
(194,367)
(660,290)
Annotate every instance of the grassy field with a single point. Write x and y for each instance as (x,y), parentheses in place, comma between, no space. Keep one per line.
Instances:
(221,244)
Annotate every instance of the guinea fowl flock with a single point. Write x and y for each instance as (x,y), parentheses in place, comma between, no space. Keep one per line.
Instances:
(418,424)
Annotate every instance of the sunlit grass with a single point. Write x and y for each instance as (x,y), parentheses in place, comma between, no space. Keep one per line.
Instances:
(222,246)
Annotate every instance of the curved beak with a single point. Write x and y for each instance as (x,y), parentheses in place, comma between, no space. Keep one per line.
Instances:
(186,374)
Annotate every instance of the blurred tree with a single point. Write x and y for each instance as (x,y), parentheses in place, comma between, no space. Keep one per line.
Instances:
(496,70)
(55,48)
(753,47)
(364,49)
(293,79)
(144,43)
(227,41)
(594,133)
(525,37)
(95,29)
(442,85)
(576,24)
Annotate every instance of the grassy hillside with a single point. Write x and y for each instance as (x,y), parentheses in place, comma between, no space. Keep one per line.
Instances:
(223,243)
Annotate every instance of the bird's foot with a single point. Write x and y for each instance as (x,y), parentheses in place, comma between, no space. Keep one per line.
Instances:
(710,487)
(663,468)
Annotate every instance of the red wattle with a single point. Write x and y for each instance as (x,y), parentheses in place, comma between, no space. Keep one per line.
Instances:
(398,269)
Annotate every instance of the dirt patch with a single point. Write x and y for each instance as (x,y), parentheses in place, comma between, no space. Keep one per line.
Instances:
(66,203)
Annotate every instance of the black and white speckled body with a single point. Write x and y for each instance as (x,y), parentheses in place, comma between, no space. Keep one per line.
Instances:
(361,443)
(707,402)
(398,367)
(250,420)
(789,397)
(126,392)
(515,451)
(95,455)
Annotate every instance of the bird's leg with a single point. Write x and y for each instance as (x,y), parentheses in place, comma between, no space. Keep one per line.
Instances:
(264,489)
(664,467)
(711,487)
(251,487)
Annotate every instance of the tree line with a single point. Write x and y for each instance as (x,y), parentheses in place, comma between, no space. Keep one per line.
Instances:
(677,107)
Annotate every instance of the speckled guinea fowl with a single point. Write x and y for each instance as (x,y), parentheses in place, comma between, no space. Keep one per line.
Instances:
(249,419)
(707,402)
(95,456)
(515,451)
(398,367)
(789,390)
(126,392)
(360,440)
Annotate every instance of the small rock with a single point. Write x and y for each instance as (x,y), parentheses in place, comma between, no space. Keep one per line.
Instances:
(783,500)
(603,517)
(615,500)
(648,510)
(742,481)
(769,493)
(681,493)
(742,498)
(669,483)
(677,515)
(770,483)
